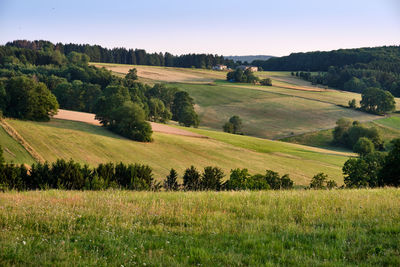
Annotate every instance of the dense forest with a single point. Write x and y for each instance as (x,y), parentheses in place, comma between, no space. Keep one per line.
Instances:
(347,69)
(34,83)
(97,53)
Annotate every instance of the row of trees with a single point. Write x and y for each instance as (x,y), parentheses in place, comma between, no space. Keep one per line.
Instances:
(354,80)
(240,179)
(70,175)
(347,69)
(97,53)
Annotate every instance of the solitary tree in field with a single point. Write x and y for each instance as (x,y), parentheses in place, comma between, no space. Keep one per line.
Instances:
(234,125)
(378,101)
(171,183)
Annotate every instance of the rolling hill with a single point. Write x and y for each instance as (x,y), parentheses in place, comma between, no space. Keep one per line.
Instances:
(290,107)
(92,144)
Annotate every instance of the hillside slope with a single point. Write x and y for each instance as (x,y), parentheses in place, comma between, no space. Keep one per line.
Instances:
(92,144)
(290,107)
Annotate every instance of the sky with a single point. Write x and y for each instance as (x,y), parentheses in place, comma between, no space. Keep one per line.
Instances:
(224,27)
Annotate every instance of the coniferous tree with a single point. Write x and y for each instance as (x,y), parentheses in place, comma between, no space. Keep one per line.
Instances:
(171,182)
(191,179)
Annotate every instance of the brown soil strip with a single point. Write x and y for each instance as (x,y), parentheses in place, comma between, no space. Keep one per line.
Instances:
(90,118)
(14,134)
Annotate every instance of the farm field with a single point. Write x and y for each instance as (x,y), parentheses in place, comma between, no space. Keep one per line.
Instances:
(122,228)
(92,144)
(290,107)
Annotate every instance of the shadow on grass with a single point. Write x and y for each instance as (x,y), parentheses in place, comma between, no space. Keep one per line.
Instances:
(82,127)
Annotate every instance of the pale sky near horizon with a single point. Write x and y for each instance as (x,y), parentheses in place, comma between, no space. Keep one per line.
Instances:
(247,27)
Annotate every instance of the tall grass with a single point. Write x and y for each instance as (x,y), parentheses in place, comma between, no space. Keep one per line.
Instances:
(332,228)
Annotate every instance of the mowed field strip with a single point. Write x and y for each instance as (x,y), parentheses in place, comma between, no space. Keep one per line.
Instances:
(92,144)
(291,107)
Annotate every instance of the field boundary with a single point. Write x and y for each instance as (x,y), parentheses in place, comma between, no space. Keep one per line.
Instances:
(17,137)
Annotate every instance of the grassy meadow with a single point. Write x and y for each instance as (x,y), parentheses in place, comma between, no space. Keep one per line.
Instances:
(290,107)
(122,228)
(92,144)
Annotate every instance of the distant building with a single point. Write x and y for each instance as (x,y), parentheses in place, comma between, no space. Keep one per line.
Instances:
(220,67)
(251,68)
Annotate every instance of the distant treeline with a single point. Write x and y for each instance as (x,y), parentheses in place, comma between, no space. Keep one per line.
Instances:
(97,53)
(348,69)
(34,83)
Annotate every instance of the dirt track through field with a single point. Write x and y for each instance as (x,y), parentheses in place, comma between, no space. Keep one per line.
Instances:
(90,118)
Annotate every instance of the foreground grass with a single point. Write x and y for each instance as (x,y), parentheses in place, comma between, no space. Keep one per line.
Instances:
(309,228)
(91,144)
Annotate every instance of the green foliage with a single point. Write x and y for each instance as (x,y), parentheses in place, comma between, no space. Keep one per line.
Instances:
(242,180)
(131,75)
(238,180)
(331,184)
(129,120)
(183,110)
(171,183)
(347,133)
(228,127)
(364,171)
(28,99)
(70,175)
(348,69)
(266,82)
(352,103)
(241,76)
(191,179)
(377,101)
(390,173)
(78,58)
(363,146)
(157,111)
(211,178)
(234,125)
(319,181)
